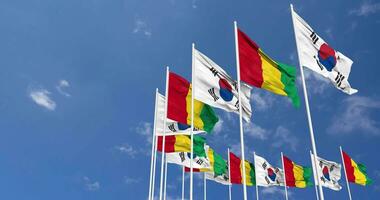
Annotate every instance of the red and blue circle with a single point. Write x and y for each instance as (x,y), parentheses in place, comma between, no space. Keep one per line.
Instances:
(326,56)
(271,174)
(326,173)
(225,90)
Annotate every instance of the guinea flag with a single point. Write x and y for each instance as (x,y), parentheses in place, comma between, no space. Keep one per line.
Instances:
(179,105)
(296,175)
(236,171)
(355,172)
(259,70)
(181,143)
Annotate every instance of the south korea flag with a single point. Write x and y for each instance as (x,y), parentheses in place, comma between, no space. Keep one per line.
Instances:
(329,173)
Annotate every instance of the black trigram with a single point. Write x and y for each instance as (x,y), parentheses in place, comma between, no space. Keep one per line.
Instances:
(339,79)
(214,71)
(314,37)
(182,156)
(264,165)
(237,105)
(172,128)
(267,180)
(211,91)
(199,162)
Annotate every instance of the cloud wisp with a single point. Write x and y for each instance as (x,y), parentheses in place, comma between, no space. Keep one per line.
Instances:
(62,85)
(42,98)
(141,27)
(91,185)
(366,8)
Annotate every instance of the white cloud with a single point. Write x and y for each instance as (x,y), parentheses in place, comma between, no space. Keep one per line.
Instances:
(262,100)
(142,28)
(218,126)
(91,185)
(129,180)
(255,131)
(316,84)
(41,97)
(355,114)
(127,149)
(145,129)
(329,33)
(366,8)
(274,191)
(283,137)
(62,84)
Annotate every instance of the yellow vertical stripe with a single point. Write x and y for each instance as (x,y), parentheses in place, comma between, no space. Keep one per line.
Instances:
(360,178)
(182,143)
(271,75)
(298,176)
(247,174)
(198,123)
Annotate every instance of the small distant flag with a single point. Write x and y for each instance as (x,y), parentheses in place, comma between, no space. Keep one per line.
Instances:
(259,70)
(297,175)
(329,173)
(315,54)
(266,174)
(355,172)
(216,88)
(181,143)
(179,105)
(236,171)
(172,127)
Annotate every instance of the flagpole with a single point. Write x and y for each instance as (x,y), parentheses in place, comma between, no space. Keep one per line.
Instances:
(257,187)
(345,173)
(153,144)
(166,177)
(163,134)
(240,111)
(315,181)
(229,175)
(154,167)
(183,183)
(192,121)
(204,186)
(283,167)
(307,108)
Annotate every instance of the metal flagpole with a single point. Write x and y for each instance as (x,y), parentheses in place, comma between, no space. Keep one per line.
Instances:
(192,121)
(183,183)
(257,187)
(314,170)
(229,175)
(151,185)
(204,186)
(283,167)
(163,138)
(166,176)
(307,108)
(240,111)
(345,173)
(154,167)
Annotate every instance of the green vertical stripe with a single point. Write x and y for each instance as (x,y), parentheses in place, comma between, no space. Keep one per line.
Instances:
(307,174)
(199,148)
(208,117)
(363,169)
(252,173)
(220,165)
(288,78)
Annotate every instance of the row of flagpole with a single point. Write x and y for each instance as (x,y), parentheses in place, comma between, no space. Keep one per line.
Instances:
(163,174)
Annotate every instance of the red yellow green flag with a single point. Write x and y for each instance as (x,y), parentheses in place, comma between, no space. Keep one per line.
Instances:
(236,171)
(181,143)
(259,70)
(296,175)
(355,172)
(179,105)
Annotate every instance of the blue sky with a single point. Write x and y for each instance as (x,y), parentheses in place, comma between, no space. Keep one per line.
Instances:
(78,78)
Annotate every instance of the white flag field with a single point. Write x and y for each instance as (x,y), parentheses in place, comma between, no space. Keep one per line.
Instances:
(216,88)
(172,127)
(315,54)
(266,174)
(329,173)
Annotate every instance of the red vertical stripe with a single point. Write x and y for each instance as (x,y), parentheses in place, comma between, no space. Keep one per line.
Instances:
(236,176)
(251,70)
(349,168)
(169,143)
(289,174)
(178,91)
